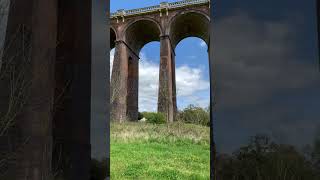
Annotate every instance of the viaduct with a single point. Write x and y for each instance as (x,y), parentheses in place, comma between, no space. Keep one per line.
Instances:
(168,23)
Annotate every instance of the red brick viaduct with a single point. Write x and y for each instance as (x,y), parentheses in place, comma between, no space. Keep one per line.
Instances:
(168,23)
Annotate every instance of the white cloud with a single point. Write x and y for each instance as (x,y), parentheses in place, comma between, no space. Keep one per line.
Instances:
(190,83)
(148,84)
(111,60)
(203,44)
(190,80)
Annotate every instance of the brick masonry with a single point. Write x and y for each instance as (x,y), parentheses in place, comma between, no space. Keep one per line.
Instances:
(134,32)
(59,34)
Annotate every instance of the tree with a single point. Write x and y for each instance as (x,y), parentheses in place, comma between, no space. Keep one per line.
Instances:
(316,150)
(263,159)
(14,70)
(195,115)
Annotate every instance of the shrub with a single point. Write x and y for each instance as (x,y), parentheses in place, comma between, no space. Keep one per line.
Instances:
(195,115)
(264,159)
(155,118)
(140,115)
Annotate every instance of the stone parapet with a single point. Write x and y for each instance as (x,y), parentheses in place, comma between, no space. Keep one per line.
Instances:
(158,8)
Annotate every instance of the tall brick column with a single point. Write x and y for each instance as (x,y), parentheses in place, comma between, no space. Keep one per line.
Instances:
(119,85)
(174,93)
(133,87)
(73,82)
(166,96)
(124,84)
(31,24)
(38,24)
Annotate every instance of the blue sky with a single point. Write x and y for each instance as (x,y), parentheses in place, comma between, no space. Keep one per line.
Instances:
(132,4)
(192,72)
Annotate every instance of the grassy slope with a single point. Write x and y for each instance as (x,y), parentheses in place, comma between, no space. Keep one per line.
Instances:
(146,151)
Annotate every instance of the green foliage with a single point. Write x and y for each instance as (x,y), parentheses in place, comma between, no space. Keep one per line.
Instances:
(154,118)
(195,115)
(262,159)
(140,115)
(316,150)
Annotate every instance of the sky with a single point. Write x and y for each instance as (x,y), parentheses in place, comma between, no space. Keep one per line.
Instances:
(265,68)
(133,4)
(267,75)
(192,72)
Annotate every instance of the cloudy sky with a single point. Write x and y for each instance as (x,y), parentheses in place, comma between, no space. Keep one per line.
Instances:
(265,69)
(192,72)
(192,76)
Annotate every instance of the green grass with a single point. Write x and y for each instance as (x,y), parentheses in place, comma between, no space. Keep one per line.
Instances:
(148,151)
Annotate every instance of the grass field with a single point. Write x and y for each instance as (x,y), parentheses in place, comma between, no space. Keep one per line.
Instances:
(147,151)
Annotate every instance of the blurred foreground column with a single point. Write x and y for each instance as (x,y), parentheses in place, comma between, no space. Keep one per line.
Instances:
(27,88)
(73,80)
(42,35)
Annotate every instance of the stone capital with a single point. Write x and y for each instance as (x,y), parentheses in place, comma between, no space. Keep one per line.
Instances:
(117,42)
(167,37)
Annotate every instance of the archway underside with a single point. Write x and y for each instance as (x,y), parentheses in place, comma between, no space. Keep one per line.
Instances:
(113,38)
(140,33)
(190,24)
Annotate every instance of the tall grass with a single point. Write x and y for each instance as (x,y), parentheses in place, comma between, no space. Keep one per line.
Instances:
(143,132)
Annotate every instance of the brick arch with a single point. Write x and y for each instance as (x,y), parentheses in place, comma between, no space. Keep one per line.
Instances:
(141,31)
(192,23)
(138,27)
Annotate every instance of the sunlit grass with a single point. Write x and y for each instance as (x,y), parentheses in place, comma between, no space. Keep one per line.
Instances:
(147,151)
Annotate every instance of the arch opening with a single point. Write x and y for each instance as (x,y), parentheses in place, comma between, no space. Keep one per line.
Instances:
(113,38)
(141,32)
(190,24)
(111,53)
(149,77)
(192,75)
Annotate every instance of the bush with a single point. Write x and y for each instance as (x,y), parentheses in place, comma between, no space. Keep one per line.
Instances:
(155,118)
(264,159)
(140,116)
(195,115)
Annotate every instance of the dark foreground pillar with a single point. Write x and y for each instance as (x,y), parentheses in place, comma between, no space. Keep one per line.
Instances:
(73,91)
(318,25)
(30,44)
(166,95)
